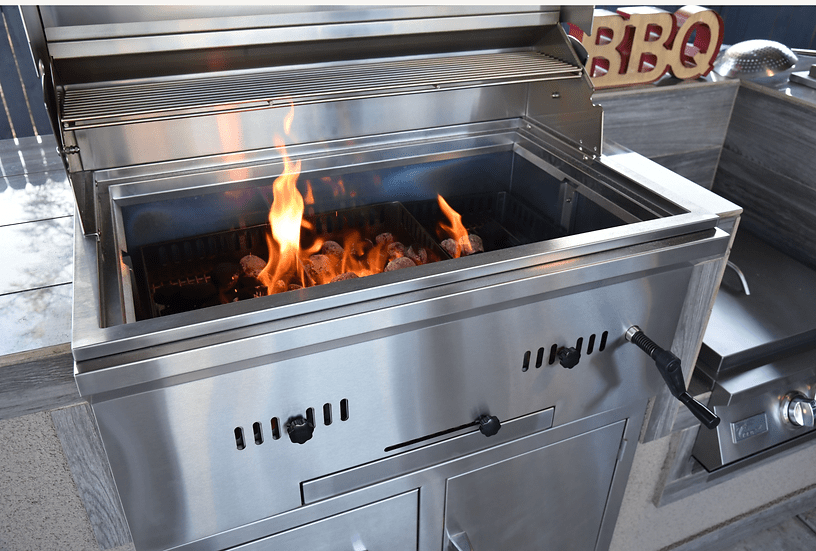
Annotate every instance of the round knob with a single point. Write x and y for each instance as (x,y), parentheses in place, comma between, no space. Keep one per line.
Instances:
(798,410)
(300,430)
(489,425)
(568,357)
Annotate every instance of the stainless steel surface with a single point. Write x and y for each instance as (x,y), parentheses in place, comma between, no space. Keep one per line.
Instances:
(387,524)
(579,469)
(759,352)
(763,61)
(175,131)
(751,405)
(779,313)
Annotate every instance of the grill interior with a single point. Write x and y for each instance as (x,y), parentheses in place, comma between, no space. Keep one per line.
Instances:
(176,245)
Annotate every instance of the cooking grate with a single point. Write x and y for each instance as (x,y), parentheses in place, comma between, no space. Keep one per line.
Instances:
(111,104)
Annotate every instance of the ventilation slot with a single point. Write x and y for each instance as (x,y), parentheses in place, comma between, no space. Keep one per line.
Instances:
(553,351)
(540,358)
(310,416)
(239,438)
(525,365)
(604,336)
(327,414)
(344,410)
(591,344)
(580,344)
(256,432)
(275,428)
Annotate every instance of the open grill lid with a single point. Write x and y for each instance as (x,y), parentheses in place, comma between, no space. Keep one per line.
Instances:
(129,85)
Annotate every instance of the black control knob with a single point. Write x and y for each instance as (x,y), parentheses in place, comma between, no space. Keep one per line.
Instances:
(489,425)
(300,430)
(568,357)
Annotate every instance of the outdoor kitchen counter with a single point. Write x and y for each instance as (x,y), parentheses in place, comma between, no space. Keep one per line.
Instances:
(54,467)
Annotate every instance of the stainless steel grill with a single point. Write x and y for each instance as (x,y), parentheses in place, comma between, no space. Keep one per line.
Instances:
(385,411)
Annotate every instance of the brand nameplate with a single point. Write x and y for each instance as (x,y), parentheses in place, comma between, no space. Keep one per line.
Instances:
(752,426)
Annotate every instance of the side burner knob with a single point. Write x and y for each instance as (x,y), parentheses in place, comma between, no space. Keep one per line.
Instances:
(489,425)
(798,410)
(568,357)
(300,430)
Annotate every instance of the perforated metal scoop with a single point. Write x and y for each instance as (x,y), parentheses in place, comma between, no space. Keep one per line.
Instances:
(762,61)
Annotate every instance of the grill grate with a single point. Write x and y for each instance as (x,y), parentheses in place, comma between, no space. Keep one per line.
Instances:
(111,104)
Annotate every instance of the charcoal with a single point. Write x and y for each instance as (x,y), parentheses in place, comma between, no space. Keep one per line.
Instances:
(419,256)
(318,267)
(344,276)
(399,263)
(395,250)
(332,248)
(386,238)
(252,265)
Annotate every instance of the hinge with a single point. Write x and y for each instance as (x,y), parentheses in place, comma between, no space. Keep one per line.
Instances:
(70,150)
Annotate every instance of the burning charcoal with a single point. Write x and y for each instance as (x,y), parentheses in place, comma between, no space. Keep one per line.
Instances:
(473,246)
(344,276)
(419,256)
(332,248)
(197,293)
(399,263)
(166,295)
(450,247)
(226,275)
(384,238)
(252,265)
(280,286)
(395,250)
(295,286)
(465,246)
(319,267)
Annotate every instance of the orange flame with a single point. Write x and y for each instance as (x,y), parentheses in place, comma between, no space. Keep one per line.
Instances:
(456,230)
(321,261)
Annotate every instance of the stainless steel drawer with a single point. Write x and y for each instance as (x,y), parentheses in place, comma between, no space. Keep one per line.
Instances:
(388,524)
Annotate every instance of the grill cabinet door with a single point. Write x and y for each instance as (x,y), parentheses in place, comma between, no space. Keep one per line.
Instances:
(550,498)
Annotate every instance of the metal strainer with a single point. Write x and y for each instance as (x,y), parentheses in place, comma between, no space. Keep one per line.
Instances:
(762,61)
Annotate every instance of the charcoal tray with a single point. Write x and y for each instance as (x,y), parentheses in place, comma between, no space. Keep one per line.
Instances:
(189,262)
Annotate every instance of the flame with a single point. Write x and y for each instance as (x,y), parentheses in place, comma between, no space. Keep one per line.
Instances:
(456,230)
(321,261)
(285,217)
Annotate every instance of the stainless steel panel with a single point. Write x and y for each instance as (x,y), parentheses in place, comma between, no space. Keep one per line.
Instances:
(388,524)
(550,498)
(779,312)
(173,450)
(155,141)
(739,397)
(335,24)
(424,454)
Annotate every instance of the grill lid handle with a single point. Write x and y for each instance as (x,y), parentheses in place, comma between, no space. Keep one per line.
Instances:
(669,366)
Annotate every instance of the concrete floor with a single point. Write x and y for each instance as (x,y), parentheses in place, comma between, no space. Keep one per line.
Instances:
(45,502)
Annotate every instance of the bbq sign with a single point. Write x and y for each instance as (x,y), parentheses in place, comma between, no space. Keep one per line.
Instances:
(639,45)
